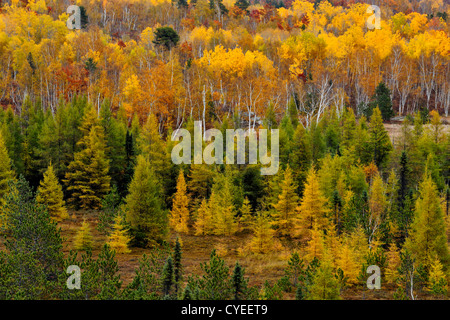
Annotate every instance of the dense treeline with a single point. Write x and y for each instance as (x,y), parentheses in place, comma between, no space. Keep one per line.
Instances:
(345,198)
(86,125)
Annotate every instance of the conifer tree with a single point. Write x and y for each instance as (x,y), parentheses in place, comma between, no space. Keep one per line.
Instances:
(363,149)
(380,143)
(204,221)
(238,282)
(294,269)
(177,266)
(377,207)
(246,217)
(316,245)
(201,180)
(151,145)
(187,293)
(87,178)
(393,257)
(32,262)
(144,206)
(179,215)
(222,207)
(313,208)
(437,281)
(119,239)
(359,244)
(324,286)
(285,214)
(348,128)
(50,193)
(263,240)
(115,130)
(428,235)
(382,99)
(13,140)
(83,239)
(215,283)
(347,263)
(110,209)
(300,157)
(6,173)
(167,276)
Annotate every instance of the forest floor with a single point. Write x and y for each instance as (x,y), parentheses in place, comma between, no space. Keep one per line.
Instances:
(197,249)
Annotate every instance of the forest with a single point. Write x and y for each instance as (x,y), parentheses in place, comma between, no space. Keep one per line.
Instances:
(87,177)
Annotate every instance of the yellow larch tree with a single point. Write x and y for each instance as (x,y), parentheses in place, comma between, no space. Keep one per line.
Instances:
(119,239)
(83,238)
(316,245)
(203,223)
(313,208)
(377,206)
(246,218)
(263,240)
(50,193)
(346,261)
(179,215)
(393,258)
(285,214)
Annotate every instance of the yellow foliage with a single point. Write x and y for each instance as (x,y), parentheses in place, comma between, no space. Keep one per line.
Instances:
(83,239)
(119,239)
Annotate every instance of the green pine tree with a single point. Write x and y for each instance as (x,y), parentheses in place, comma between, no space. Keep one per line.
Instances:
(380,143)
(87,178)
(144,206)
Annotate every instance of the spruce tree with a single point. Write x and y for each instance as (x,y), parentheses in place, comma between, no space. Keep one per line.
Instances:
(115,136)
(50,193)
(238,282)
(110,209)
(294,269)
(144,206)
(32,265)
(300,158)
(382,99)
(6,173)
(214,284)
(177,266)
(167,277)
(380,143)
